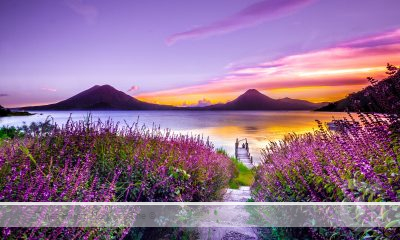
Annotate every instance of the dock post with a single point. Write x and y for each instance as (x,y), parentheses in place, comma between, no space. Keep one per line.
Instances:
(242,147)
(236,147)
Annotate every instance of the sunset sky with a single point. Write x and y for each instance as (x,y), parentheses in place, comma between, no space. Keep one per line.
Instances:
(189,52)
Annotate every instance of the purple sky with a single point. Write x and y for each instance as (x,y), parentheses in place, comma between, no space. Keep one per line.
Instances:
(50,50)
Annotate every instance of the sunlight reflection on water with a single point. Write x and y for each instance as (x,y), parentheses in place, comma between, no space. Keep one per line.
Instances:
(223,127)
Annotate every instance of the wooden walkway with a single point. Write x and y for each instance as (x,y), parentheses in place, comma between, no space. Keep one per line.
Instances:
(242,153)
(242,194)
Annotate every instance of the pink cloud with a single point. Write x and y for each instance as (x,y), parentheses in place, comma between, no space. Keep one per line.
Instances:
(252,15)
(133,88)
(348,64)
(49,89)
(388,38)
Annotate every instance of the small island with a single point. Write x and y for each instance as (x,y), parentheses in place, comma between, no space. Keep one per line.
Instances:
(4,112)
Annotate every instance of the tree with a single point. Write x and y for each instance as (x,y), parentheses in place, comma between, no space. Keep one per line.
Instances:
(372,80)
(391,69)
(4,111)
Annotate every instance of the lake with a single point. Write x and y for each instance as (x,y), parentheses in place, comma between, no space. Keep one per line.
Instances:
(223,127)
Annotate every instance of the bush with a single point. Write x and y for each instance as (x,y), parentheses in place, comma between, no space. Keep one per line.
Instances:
(358,163)
(10,132)
(90,161)
(40,128)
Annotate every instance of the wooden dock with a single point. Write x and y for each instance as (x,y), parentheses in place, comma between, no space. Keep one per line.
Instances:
(243,194)
(242,152)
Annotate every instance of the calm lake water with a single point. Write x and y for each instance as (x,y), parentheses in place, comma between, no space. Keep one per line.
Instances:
(223,127)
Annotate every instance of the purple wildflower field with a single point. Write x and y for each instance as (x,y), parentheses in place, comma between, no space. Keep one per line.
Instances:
(89,161)
(94,161)
(358,162)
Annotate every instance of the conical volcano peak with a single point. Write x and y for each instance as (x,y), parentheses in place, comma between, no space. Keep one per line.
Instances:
(252,91)
(252,99)
(102,97)
(105,86)
(254,95)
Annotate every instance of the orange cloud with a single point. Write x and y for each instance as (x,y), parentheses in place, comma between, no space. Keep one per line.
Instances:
(329,73)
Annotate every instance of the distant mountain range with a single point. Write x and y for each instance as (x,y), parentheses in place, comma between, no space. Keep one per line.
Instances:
(254,100)
(108,98)
(102,98)
(369,99)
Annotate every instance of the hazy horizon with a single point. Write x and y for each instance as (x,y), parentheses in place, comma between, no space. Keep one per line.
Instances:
(194,53)
(258,127)
(199,104)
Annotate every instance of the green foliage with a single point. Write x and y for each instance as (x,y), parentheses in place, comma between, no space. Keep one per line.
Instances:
(33,129)
(10,132)
(243,176)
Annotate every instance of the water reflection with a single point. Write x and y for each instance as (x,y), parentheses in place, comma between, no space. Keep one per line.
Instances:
(251,129)
(222,127)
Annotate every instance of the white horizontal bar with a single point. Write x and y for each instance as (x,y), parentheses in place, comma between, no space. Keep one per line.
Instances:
(200,203)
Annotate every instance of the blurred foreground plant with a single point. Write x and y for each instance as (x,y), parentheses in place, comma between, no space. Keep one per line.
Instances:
(94,161)
(358,162)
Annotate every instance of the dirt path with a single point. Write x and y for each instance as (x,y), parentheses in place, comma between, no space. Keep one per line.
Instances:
(231,233)
(233,195)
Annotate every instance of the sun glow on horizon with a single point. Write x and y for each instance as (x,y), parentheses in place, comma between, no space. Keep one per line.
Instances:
(340,85)
(316,94)
(318,76)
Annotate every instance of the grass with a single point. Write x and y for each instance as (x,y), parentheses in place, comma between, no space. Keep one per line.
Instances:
(243,176)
